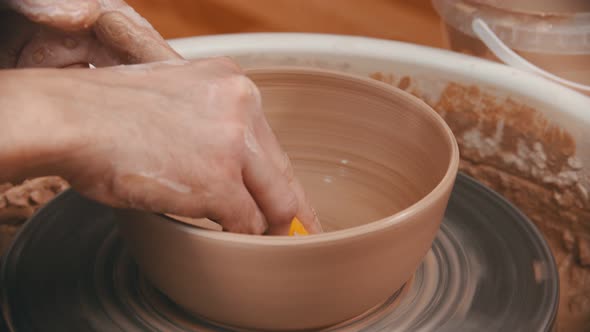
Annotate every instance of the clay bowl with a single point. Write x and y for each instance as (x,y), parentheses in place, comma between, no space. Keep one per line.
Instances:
(378,165)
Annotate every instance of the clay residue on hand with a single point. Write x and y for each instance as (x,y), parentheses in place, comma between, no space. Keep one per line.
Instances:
(198,222)
(170,184)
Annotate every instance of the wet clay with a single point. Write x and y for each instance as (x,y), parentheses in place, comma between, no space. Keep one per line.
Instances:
(363,151)
(198,222)
(533,163)
(18,203)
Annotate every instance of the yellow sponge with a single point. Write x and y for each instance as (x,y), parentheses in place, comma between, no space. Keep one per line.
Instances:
(297,228)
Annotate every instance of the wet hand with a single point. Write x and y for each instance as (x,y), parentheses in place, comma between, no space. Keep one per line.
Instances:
(185,138)
(45,33)
(105,33)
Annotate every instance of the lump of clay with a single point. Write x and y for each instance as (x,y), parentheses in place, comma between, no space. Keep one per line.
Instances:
(19,202)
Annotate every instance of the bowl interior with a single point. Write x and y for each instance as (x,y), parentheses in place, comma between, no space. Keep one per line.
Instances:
(362,150)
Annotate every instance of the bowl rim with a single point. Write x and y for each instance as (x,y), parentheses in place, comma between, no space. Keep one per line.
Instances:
(395,220)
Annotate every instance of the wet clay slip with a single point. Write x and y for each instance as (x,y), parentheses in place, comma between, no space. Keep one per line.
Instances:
(378,165)
(198,222)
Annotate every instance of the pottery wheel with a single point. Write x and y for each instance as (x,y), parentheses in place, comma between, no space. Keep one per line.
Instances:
(488,270)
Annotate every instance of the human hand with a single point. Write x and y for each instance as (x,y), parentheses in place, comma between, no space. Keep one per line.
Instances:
(42,33)
(185,138)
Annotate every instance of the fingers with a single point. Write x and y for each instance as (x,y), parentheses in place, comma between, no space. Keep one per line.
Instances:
(269,188)
(71,15)
(56,49)
(134,42)
(229,204)
(122,35)
(305,212)
(269,176)
(124,31)
(237,212)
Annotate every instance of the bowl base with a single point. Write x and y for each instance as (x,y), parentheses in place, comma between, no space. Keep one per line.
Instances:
(354,324)
(68,271)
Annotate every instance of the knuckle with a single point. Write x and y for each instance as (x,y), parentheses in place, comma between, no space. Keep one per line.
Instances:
(227,64)
(285,168)
(229,156)
(226,167)
(286,209)
(245,91)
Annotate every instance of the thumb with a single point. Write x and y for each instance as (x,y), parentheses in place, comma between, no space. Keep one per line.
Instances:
(132,41)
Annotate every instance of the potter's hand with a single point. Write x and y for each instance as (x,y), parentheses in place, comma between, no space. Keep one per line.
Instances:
(54,33)
(186,138)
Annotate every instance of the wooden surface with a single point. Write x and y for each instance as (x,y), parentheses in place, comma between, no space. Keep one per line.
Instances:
(412,21)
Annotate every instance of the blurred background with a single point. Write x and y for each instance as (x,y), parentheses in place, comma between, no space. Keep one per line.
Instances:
(410,21)
(550,34)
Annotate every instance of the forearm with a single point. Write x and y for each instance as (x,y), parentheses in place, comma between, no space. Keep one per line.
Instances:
(36,135)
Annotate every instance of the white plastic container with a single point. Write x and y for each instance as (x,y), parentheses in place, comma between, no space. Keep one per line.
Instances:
(525,136)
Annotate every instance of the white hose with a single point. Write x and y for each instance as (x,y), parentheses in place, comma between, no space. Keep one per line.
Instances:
(511,58)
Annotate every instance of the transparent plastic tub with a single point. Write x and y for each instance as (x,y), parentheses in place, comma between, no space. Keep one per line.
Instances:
(553,35)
